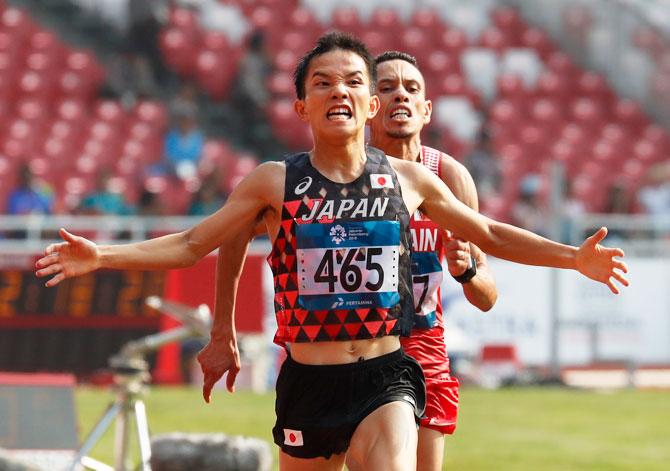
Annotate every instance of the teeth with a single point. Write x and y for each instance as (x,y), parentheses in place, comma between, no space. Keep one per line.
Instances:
(339,113)
(400,114)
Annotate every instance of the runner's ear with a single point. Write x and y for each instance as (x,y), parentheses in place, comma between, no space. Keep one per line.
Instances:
(299,107)
(374,106)
(428,111)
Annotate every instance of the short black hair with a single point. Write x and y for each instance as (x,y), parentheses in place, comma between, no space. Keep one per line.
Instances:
(396,55)
(329,42)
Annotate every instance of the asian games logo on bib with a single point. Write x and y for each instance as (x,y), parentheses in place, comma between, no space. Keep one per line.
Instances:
(338,234)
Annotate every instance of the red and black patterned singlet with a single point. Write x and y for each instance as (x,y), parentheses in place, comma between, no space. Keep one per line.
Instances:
(341,259)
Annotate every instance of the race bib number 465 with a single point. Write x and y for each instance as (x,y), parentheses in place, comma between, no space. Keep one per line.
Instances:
(348,265)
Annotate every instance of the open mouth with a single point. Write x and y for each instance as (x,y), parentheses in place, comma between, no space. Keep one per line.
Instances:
(400,114)
(339,113)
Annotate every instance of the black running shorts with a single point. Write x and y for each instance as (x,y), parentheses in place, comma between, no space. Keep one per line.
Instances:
(318,407)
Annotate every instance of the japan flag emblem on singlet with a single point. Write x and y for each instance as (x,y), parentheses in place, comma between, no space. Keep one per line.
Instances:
(293,437)
(381,180)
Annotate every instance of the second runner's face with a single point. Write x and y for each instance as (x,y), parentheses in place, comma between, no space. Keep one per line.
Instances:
(337,95)
(404,109)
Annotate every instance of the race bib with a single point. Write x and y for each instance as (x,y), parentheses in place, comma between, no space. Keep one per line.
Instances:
(348,265)
(426,280)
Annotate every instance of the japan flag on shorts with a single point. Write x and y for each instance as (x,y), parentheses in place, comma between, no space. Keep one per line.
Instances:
(293,437)
(381,180)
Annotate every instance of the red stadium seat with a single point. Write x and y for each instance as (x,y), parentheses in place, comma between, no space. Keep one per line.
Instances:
(178,50)
(511,86)
(297,41)
(429,22)
(58,150)
(41,62)
(215,41)
(453,40)
(377,41)
(629,113)
(280,84)
(71,109)
(561,64)
(551,84)
(658,136)
(46,42)
(594,85)
(439,64)
(183,18)
(546,113)
(586,111)
(214,73)
(153,113)
(17,22)
(414,41)
(347,19)
(646,152)
(110,111)
(537,39)
(34,84)
(286,60)
(566,154)
(495,39)
(606,153)
(8,43)
(508,20)
(302,19)
(14,149)
(385,19)
(33,109)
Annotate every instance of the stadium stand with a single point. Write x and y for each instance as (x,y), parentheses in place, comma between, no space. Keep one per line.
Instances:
(485,66)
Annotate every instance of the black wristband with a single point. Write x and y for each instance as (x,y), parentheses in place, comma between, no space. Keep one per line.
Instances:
(469,273)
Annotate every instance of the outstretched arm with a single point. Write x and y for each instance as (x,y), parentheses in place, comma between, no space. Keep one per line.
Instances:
(221,353)
(77,255)
(481,290)
(512,243)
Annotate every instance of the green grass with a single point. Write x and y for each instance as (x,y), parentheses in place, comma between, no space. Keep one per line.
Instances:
(509,429)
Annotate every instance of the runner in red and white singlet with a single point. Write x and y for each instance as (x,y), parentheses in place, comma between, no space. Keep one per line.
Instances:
(396,130)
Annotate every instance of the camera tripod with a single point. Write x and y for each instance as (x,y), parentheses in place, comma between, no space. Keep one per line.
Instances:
(131,376)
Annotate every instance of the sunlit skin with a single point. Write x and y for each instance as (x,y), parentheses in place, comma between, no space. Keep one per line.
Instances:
(337,105)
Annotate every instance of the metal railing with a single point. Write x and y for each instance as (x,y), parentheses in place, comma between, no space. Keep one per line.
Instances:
(638,234)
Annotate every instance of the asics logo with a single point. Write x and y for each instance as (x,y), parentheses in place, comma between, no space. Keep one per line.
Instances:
(304,184)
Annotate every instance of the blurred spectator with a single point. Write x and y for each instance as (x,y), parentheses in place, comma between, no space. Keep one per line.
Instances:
(527,211)
(655,194)
(618,200)
(250,96)
(103,200)
(129,78)
(482,164)
(29,197)
(185,98)
(573,208)
(149,204)
(145,19)
(183,144)
(209,198)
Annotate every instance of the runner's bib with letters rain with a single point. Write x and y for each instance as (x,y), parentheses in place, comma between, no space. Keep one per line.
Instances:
(341,261)
(427,253)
